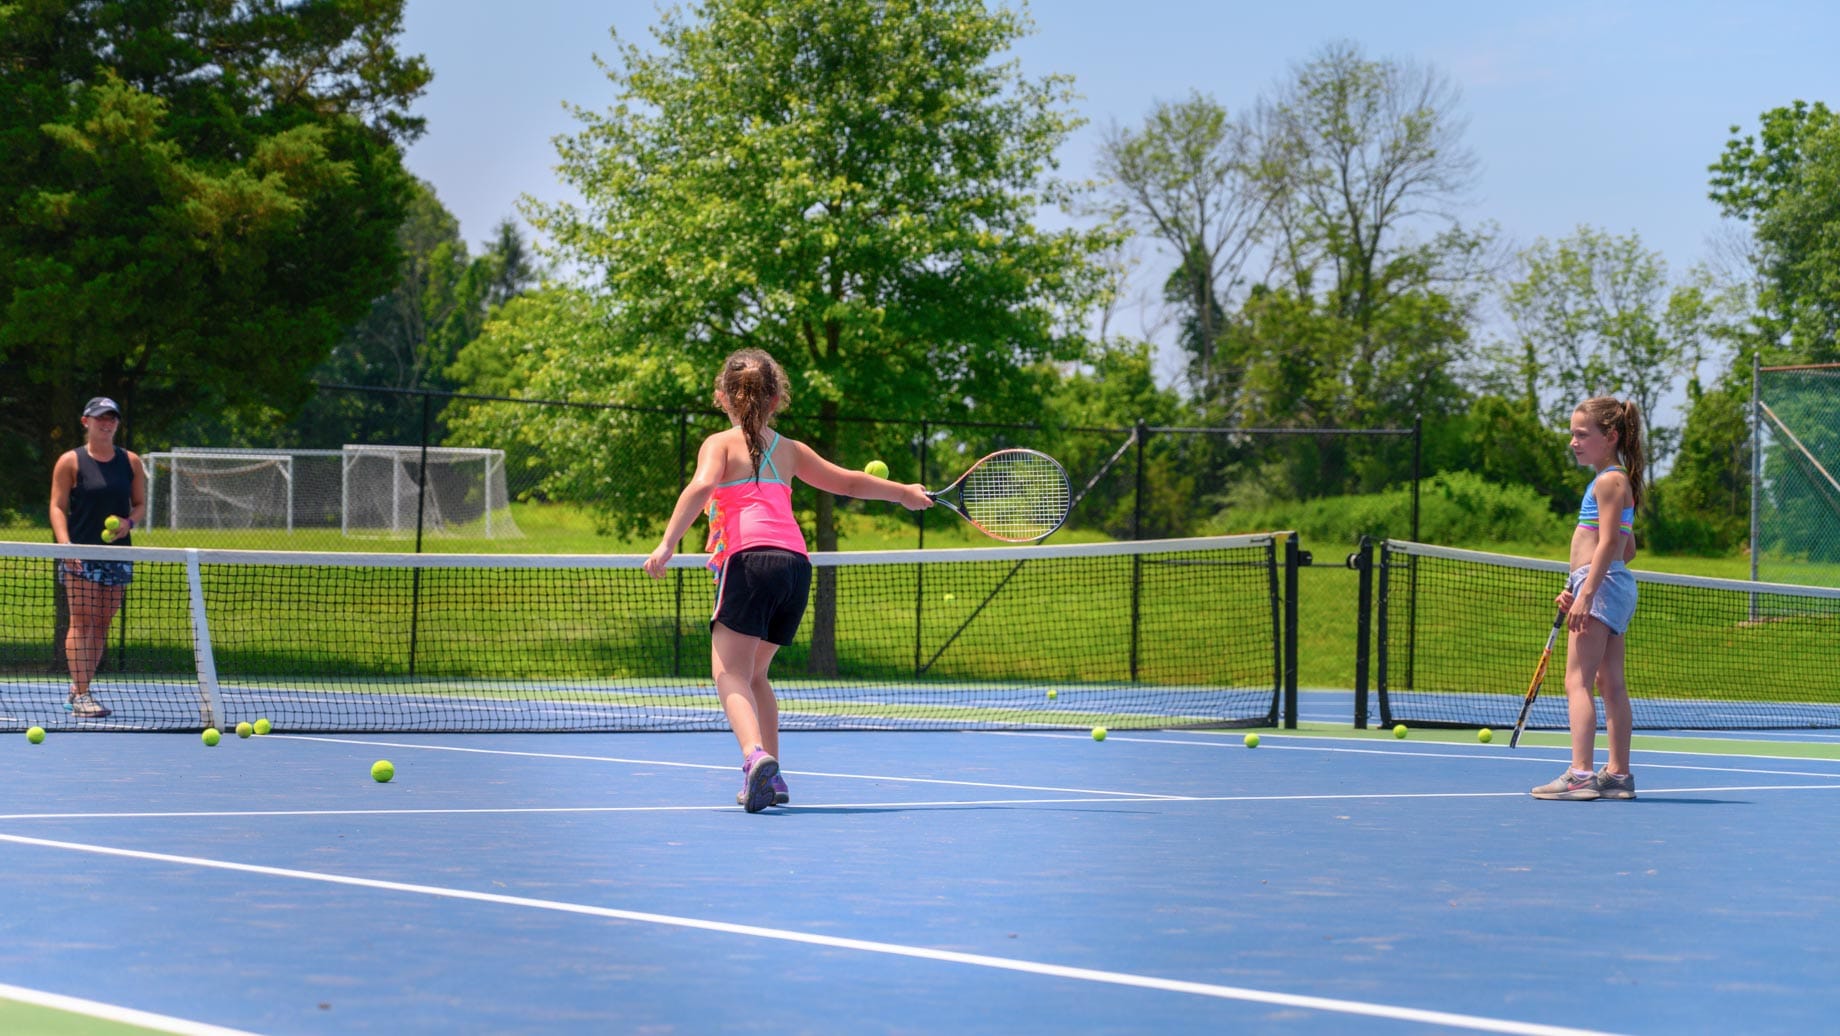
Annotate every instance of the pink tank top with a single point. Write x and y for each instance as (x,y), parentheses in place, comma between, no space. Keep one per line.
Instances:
(753,512)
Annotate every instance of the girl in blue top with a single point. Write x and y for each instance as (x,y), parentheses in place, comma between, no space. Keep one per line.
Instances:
(1600,598)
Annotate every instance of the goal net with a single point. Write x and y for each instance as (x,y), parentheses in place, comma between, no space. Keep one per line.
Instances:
(358,490)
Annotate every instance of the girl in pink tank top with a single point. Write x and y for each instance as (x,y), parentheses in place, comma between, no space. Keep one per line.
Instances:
(744,478)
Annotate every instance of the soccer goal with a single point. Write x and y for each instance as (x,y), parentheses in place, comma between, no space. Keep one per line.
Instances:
(359,490)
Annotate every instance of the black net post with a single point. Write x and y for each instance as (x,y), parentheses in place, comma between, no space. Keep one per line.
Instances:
(1362,561)
(1295,557)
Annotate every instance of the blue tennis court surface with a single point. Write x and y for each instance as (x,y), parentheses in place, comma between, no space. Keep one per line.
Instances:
(918,882)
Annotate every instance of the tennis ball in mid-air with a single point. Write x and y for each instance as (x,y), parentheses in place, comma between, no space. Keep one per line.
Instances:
(382,771)
(1098,733)
(263,726)
(1485,735)
(876,468)
(1400,730)
(36,735)
(1053,694)
(1252,741)
(211,736)
(244,729)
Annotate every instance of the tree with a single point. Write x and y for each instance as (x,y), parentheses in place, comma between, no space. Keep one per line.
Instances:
(1594,315)
(1190,179)
(1785,182)
(854,187)
(197,199)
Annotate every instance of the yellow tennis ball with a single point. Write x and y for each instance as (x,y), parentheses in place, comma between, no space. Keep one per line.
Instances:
(108,535)
(263,726)
(1053,694)
(211,736)
(1098,733)
(111,523)
(244,729)
(876,468)
(36,735)
(1485,735)
(951,597)
(1252,741)
(382,771)
(1400,730)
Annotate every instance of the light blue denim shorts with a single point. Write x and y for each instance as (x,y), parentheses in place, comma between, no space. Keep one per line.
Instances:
(1615,603)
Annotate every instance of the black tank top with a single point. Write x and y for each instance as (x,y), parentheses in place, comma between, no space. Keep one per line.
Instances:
(101,490)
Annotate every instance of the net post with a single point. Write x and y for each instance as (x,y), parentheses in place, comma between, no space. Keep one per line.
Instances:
(1294,558)
(1362,561)
(210,708)
(1381,611)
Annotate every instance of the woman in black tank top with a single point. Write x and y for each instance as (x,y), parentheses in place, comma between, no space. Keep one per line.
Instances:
(89,485)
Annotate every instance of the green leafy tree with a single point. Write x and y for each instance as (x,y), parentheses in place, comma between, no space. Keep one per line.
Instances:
(1189,178)
(853,186)
(197,199)
(1593,315)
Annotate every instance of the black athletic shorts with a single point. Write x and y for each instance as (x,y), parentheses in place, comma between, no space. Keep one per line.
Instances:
(762,593)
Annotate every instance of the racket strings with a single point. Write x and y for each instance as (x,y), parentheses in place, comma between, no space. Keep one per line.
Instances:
(1016,496)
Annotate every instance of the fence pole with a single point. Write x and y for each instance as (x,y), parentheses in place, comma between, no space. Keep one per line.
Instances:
(415,577)
(1418,450)
(677,580)
(1142,432)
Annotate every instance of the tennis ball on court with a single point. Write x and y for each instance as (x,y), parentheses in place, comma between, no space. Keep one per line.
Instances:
(1400,730)
(211,736)
(244,729)
(36,735)
(263,726)
(1485,735)
(1252,741)
(382,771)
(876,468)
(1098,733)
(1053,694)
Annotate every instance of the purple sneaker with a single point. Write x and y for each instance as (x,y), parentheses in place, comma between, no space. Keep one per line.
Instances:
(761,768)
(781,795)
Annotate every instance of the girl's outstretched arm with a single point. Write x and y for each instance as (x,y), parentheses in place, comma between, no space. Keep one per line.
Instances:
(824,475)
(690,503)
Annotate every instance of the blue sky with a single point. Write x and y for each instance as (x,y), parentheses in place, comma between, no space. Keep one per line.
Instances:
(1580,113)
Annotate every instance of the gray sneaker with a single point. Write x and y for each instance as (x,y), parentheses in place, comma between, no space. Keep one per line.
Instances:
(1571,788)
(1614,786)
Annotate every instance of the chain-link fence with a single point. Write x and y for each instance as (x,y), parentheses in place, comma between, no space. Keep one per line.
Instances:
(1795,485)
(460,473)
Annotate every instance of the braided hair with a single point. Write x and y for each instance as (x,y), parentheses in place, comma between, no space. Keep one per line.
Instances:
(756,390)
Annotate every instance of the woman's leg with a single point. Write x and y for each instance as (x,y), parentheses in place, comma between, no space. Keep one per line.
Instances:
(92,608)
(1584,654)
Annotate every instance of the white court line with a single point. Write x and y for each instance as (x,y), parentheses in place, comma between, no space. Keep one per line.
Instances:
(832,807)
(1117,978)
(1491,753)
(113,1013)
(411,746)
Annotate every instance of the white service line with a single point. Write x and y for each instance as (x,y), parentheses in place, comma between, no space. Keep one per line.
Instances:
(411,746)
(1117,978)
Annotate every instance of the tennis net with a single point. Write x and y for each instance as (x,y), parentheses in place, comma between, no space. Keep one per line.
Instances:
(1458,633)
(1150,634)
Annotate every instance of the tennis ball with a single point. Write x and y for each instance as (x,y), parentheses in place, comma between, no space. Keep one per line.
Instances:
(1098,733)
(1252,741)
(1400,730)
(211,736)
(263,726)
(108,535)
(1053,694)
(876,468)
(1485,735)
(36,735)
(244,730)
(382,771)
(951,597)
(111,523)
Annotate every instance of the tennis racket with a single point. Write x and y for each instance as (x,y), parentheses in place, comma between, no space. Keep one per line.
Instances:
(1539,674)
(1019,496)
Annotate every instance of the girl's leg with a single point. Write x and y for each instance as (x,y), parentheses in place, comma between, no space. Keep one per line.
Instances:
(1584,653)
(766,706)
(732,658)
(1615,691)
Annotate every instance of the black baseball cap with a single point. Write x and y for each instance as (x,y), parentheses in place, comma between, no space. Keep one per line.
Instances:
(99,406)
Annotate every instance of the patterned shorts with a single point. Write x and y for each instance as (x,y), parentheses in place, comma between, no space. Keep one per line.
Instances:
(101,573)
